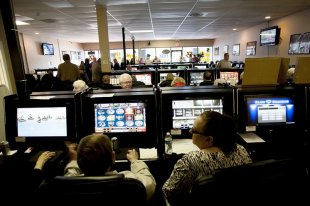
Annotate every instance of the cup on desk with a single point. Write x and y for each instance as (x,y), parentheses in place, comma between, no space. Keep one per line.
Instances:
(5,147)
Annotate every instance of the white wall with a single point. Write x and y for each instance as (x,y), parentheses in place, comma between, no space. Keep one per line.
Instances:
(293,24)
(33,50)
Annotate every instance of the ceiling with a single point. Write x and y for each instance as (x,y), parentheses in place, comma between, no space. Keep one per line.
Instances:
(76,20)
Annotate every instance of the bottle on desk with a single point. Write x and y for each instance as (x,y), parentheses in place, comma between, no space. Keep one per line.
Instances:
(168,143)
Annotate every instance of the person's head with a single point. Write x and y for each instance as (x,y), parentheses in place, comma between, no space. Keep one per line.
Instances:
(106,79)
(95,155)
(207,76)
(66,57)
(169,77)
(134,78)
(125,81)
(178,82)
(226,56)
(212,129)
(79,85)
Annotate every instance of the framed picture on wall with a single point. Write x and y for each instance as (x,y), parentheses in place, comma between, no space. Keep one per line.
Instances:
(294,44)
(236,50)
(216,51)
(251,48)
(304,46)
(225,49)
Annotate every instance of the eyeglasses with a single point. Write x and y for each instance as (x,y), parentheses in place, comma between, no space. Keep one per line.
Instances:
(194,131)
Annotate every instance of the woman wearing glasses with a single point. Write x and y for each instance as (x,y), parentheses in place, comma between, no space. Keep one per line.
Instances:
(215,135)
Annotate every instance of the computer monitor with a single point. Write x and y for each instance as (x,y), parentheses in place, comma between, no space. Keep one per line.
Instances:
(263,110)
(196,78)
(146,78)
(230,76)
(120,117)
(42,122)
(130,116)
(186,111)
(182,105)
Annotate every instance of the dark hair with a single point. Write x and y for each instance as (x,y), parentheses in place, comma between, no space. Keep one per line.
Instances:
(222,129)
(66,57)
(207,75)
(94,154)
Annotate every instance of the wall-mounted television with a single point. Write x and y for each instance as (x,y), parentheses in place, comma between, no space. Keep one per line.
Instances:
(48,49)
(270,36)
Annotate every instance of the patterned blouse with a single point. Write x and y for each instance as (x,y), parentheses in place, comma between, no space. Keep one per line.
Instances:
(198,163)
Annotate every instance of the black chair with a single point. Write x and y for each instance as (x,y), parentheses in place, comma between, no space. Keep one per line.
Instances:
(264,182)
(112,189)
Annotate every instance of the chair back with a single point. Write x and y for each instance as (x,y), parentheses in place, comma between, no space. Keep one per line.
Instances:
(264,182)
(115,189)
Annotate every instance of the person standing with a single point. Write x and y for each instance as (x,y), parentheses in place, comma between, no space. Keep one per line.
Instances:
(67,72)
(224,63)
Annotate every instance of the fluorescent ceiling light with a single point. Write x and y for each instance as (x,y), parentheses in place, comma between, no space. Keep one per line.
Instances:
(141,31)
(18,23)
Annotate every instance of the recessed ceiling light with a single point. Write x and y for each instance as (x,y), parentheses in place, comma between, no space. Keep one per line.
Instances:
(18,23)
(37,33)
(141,31)
(234,29)
(267,17)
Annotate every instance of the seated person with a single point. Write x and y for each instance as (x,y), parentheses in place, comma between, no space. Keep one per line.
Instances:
(178,82)
(125,81)
(79,86)
(167,82)
(216,137)
(94,156)
(136,83)
(106,82)
(207,79)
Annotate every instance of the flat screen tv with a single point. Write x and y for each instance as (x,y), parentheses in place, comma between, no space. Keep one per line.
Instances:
(196,78)
(270,36)
(264,110)
(48,49)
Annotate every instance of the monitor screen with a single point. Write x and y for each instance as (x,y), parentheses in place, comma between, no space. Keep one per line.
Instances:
(230,76)
(269,36)
(146,78)
(48,49)
(186,111)
(270,110)
(196,78)
(42,122)
(120,117)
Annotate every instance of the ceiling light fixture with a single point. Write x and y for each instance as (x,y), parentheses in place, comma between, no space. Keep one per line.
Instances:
(141,31)
(19,23)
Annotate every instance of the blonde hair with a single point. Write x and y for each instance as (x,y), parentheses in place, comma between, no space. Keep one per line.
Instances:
(79,85)
(178,82)
(169,76)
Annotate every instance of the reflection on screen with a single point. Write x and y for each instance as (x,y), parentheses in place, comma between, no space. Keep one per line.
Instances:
(42,122)
(146,78)
(270,110)
(268,36)
(186,111)
(120,117)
